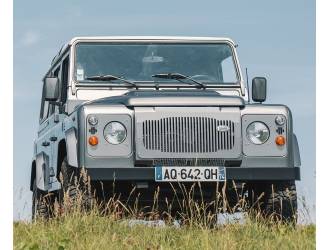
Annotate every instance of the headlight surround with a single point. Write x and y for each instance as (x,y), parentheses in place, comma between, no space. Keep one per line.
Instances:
(115,133)
(257,133)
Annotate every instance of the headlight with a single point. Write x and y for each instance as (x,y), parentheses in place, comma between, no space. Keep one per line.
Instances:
(257,132)
(115,132)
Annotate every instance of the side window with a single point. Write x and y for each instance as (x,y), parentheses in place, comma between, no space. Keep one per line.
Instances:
(57,71)
(64,79)
(44,105)
(44,110)
(51,106)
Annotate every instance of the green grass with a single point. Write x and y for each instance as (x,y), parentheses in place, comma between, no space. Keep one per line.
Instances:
(106,226)
(82,231)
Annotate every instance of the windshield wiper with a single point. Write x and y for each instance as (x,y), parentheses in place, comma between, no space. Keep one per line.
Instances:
(111,78)
(178,77)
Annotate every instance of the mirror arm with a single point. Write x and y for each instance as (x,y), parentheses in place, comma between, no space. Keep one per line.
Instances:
(55,103)
(59,104)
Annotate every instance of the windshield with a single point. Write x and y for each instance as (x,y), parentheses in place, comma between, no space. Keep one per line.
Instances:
(139,62)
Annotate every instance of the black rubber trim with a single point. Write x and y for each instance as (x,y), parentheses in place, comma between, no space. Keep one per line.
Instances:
(287,173)
(232,173)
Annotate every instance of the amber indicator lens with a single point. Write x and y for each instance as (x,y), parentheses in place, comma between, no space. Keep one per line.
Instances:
(93,140)
(280,140)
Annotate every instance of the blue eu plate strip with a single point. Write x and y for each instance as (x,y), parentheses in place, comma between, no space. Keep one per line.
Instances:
(222,174)
(159,175)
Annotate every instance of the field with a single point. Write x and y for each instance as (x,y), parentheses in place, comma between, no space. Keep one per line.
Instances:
(115,225)
(101,232)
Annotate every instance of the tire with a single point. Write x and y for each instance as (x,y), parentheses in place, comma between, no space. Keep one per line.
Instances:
(277,200)
(42,203)
(74,186)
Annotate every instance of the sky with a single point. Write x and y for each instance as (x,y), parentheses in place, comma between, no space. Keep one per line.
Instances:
(276,39)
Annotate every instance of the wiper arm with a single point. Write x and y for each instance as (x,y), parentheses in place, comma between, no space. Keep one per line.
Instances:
(179,77)
(110,78)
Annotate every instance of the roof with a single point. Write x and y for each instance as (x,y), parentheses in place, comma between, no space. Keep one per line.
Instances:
(155,38)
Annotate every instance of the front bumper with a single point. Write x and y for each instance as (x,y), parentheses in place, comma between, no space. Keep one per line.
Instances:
(233,173)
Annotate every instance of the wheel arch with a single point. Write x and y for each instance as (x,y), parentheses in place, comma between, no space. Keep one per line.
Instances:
(33,174)
(296,152)
(61,153)
(71,146)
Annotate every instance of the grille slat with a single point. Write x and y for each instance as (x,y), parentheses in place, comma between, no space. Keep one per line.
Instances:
(188,135)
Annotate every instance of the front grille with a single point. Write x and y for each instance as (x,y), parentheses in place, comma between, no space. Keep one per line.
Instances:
(188,135)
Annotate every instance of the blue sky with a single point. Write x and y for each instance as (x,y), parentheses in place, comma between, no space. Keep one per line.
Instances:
(276,39)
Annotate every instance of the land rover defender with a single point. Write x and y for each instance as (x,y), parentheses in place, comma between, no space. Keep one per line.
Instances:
(154,112)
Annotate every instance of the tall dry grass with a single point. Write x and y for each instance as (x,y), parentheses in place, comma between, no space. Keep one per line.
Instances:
(104,224)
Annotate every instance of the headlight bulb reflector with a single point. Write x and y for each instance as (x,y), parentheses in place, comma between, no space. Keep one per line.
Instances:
(257,133)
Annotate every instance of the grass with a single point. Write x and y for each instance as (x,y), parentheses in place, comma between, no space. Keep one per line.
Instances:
(91,231)
(107,226)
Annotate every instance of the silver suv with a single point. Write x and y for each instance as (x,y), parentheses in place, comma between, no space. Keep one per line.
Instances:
(154,112)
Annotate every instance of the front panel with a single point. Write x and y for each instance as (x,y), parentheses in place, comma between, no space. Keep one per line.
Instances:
(189,132)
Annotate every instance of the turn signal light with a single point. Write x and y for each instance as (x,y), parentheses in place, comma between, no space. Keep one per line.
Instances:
(93,140)
(280,140)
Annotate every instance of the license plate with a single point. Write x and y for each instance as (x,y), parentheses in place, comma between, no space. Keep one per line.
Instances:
(181,174)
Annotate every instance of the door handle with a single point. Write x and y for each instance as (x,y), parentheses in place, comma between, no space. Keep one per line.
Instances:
(45,144)
(53,138)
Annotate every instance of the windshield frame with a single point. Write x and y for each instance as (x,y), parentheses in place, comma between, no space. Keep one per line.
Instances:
(156,82)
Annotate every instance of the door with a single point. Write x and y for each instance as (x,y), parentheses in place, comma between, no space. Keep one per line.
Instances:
(56,120)
(45,145)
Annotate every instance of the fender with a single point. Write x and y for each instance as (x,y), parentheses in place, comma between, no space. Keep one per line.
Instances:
(296,153)
(71,147)
(42,171)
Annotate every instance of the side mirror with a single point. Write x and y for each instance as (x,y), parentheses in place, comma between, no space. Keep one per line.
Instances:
(51,89)
(259,89)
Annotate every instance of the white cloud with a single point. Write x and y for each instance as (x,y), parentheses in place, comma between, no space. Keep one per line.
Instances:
(30,38)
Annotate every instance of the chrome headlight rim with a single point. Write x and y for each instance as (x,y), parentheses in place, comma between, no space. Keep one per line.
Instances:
(110,138)
(252,136)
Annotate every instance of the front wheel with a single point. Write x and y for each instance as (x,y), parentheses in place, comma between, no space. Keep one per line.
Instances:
(75,187)
(42,203)
(276,200)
